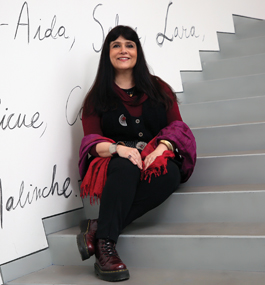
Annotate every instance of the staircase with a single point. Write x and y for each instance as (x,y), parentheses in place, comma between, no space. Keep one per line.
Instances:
(212,230)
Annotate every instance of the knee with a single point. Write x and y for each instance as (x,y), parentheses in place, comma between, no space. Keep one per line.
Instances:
(123,166)
(173,174)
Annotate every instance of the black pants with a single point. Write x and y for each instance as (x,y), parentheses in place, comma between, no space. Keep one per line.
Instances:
(125,197)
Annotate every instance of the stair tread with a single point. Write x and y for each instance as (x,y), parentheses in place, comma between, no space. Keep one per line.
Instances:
(234,153)
(85,275)
(222,188)
(153,229)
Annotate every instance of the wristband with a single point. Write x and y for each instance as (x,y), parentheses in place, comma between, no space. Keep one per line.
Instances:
(113,147)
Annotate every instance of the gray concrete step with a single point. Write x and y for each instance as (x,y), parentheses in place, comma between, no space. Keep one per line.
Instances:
(231,47)
(226,112)
(233,67)
(248,27)
(245,169)
(223,89)
(211,246)
(205,204)
(227,68)
(234,139)
(141,276)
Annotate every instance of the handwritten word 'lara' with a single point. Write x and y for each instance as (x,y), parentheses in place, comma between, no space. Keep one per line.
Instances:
(180,33)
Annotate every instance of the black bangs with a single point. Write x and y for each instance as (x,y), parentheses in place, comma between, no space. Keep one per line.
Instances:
(127,32)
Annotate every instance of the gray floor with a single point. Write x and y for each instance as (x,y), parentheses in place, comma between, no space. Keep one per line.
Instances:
(85,275)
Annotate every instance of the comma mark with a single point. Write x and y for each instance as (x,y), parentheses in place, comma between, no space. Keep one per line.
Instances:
(72,44)
(44,131)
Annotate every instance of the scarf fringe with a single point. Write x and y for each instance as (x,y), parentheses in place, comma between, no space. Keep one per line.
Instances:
(156,171)
(95,179)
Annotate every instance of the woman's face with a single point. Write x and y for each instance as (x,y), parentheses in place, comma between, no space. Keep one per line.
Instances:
(123,54)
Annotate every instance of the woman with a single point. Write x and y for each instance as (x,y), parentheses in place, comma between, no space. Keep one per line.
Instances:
(128,156)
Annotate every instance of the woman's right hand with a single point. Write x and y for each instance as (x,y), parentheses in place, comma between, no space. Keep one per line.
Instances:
(130,153)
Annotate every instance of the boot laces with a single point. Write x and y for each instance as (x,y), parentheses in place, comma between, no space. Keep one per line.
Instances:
(109,248)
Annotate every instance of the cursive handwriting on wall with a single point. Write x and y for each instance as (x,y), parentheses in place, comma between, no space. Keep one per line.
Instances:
(32,194)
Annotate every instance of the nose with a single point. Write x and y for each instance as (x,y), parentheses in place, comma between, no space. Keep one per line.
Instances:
(123,49)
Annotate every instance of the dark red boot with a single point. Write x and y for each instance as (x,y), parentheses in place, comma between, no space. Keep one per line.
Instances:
(109,266)
(86,239)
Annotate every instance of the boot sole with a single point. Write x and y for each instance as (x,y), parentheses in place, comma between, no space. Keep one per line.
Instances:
(80,239)
(82,247)
(117,275)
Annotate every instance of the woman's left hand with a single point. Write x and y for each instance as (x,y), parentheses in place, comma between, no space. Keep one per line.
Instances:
(150,158)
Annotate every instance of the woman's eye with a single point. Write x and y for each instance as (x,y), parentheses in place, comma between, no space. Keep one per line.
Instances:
(130,46)
(115,46)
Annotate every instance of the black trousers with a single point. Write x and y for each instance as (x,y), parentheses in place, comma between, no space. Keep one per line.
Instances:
(125,197)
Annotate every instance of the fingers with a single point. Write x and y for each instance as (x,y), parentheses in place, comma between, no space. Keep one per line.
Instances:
(135,158)
(147,164)
(131,154)
(149,160)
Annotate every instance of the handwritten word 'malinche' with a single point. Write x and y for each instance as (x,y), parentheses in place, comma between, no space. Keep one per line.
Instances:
(37,193)
(180,33)
(41,33)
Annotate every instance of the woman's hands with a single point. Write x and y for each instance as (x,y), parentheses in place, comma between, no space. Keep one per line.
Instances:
(130,153)
(134,156)
(150,158)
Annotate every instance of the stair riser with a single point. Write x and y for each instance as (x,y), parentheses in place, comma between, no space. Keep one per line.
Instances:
(204,208)
(230,170)
(64,251)
(209,208)
(189,252)
(194,253)
(238,138)
(228,112)
(223,89)
(234,67)
(227,68)
(248,28)
(231,47)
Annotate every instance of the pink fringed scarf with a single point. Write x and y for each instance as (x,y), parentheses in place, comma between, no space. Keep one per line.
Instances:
(96,175)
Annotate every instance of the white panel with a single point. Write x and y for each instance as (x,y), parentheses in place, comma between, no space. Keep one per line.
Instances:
(49,53)
(253,9)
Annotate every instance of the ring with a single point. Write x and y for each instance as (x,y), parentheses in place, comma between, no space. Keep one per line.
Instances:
(129,157)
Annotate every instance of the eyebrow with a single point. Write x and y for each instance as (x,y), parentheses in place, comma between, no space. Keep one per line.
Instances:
(127,42)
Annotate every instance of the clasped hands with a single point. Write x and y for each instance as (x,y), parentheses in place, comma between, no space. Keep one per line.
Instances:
(135,157)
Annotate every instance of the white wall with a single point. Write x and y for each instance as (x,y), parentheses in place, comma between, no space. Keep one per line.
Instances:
(45,78)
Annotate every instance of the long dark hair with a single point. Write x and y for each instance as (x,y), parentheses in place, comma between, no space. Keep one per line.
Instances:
(102,97)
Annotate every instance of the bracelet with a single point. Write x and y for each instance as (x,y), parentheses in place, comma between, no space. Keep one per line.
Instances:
(113,147)
(167,144)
